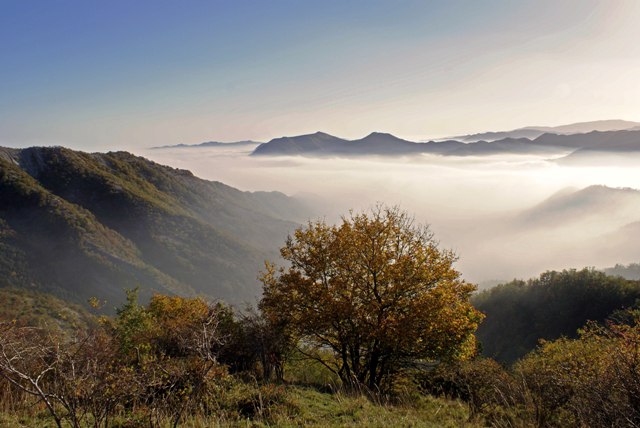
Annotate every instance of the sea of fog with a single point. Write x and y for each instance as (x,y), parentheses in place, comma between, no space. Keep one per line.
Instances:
(493,211)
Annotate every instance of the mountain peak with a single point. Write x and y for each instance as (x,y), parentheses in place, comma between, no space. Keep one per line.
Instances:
(376,134)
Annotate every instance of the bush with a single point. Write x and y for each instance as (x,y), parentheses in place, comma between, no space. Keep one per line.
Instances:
(592,381)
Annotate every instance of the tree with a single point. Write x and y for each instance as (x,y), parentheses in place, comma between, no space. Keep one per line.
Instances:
(553,305)
(370,296)
(27,359)
(172,344)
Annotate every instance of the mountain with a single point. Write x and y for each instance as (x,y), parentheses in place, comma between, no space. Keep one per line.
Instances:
(506,145)
(532,132)
(318,143)
(209,144)
(570,206)
(612,147)
(595,140)
(90,224)
(586,127)
(322,144)
(382,144)
(529,133)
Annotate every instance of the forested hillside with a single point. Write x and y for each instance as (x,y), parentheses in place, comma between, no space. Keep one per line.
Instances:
(520,313)
(86,225)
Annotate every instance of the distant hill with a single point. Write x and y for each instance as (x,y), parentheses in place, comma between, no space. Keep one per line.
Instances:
(318,143)
(571,206)
(520,313)
(208,144)
(532,132)
(382,144)
(83,225)
(596,140)
(630,271)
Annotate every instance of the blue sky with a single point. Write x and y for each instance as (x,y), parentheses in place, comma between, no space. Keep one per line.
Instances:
(118,74)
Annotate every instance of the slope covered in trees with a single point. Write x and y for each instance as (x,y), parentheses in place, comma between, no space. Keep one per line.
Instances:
(88,225)
(31,308)
(520,313)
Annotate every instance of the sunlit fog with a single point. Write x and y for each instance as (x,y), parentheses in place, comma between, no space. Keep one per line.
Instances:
(505,216)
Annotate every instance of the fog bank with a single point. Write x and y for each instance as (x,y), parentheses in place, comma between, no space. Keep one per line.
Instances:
(493,211)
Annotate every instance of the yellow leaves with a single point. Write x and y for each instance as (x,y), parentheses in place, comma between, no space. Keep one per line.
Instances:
(377,279)
(175,310)
(95,303)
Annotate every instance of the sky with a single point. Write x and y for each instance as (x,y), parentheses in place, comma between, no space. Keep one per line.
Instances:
(132,74)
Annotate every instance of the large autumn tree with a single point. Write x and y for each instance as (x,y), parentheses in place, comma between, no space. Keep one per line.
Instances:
(371,295)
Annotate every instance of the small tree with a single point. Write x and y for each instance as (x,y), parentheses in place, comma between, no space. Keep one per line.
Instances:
(175,340)
(375,291)
(28,359)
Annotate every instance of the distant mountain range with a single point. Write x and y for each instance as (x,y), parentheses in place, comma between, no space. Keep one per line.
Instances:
(381,144)
(532,132)
(88,225)
(209,144)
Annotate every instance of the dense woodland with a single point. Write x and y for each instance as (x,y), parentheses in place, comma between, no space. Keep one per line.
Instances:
(554,305)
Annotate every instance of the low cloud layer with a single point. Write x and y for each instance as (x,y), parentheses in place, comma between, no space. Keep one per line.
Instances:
(494,211)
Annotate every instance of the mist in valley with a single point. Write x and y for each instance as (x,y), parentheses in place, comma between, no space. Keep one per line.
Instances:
(506,216)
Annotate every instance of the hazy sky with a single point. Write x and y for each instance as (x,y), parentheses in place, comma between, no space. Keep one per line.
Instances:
(122,74)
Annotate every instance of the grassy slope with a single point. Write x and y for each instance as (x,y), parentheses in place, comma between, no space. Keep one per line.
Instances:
(237,401)
(309,408)
(323,409)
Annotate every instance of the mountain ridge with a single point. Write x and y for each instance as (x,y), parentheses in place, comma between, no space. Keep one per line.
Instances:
(384,144)
(533,132)
(90,224)
(207,144)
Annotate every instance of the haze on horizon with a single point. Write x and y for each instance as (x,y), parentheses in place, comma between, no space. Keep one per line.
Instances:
(493,211)
(127,75)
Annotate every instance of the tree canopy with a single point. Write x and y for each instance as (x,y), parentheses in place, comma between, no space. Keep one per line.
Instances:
(370,296)
(555,304)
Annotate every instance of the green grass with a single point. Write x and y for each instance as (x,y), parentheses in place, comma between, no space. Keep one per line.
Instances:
(339,410)
(298,406)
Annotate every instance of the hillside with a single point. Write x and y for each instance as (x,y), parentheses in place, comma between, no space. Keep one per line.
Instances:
(519,313)
(31,308)
(575,207)
(85,225)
